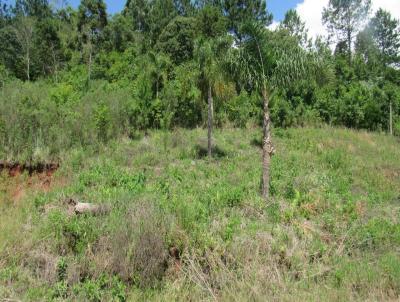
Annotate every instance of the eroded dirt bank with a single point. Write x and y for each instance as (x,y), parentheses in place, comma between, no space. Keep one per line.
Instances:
(17,180)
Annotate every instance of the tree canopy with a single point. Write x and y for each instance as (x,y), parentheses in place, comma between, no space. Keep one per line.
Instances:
(163,50)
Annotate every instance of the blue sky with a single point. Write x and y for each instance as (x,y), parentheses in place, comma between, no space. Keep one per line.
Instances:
(277,7)
(113,6)
(310,11)
(280,7)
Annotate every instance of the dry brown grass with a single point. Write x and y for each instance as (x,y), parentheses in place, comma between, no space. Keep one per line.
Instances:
(43,265)
(136,251)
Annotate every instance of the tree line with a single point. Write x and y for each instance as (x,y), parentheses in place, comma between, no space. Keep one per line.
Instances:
(184,63)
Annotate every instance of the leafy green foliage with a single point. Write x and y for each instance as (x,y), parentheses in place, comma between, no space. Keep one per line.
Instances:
(240,110)
(385,30)
(154,51)
(295,26)
(177,39)
(240,12)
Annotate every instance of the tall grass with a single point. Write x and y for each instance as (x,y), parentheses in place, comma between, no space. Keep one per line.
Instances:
(39,121)
(183,227)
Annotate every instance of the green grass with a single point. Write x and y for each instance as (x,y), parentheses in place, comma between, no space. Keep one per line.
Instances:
(330,232)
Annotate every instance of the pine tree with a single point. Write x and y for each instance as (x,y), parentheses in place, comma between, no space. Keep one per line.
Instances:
(344,18)
(386,33)
(240,12)
(295,26)
(92,19)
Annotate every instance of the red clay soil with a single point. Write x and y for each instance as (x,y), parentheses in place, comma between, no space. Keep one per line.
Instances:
(15,169)
(39,179)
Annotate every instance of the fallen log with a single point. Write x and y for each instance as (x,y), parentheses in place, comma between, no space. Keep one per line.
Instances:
(90,208)
(80,208)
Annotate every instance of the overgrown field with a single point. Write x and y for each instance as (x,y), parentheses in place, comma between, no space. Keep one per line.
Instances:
(185,228)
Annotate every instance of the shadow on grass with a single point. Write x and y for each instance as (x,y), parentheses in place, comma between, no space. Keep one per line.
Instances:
(202,152)
(256,142)
(276,133)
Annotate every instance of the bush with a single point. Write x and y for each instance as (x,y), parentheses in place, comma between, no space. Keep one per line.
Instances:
(396,128)
(138,250)
(27,117)
(102,122)
(377,234)
(240,109)
(183,98)
(38,122)
(282,113)
(4,76)
(69,234)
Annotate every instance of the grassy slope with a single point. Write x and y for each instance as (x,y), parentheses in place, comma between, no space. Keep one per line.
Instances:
(331,232)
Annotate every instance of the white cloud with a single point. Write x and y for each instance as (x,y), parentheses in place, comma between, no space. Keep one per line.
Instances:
(392,6)
(274,25)
(310,12)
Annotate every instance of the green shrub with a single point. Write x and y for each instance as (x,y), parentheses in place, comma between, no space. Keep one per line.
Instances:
(4,76)
(64,94)
(183,98)
(107,175)
(60,290)
(377,234)
(89,291)
(335,159)
(40,122)
(70,234)
(240,109)
(100,289)
(282,113)
(396,128)
(102,122)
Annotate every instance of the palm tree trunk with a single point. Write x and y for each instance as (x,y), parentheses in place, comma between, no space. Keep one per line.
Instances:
(90,46)
(268,149)
(54,63)
(90,66)
(349,35)
(391,118)
(157,88)
(349,46)
(28,65)
(210,119)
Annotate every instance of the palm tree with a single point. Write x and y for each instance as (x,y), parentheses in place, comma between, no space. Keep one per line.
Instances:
(209,56)
(265,61)
(159,66)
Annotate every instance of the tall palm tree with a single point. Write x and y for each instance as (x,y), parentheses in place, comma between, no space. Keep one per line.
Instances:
(265,61)
(209,56)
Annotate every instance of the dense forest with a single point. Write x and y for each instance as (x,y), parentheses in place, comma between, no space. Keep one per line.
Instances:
(129,148)
(155,64)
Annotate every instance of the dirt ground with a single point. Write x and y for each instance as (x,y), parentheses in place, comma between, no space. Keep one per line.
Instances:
(17,181)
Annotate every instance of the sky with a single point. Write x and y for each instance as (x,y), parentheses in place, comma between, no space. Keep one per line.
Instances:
(309,10)
(113,6)
(277,7)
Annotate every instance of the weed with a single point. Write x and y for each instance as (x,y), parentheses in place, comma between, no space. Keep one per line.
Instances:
(184,228)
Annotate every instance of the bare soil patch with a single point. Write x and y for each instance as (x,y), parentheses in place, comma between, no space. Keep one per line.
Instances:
(20,179)
(15,169)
